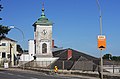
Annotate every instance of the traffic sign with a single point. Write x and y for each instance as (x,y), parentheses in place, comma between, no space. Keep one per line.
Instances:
(101,42)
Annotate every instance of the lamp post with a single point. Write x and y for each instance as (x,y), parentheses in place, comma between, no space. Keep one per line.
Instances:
(100,16)
(100,34)
(13,27)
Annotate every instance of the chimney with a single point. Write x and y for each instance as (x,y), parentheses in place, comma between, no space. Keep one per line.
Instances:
(52,43)
(69,53)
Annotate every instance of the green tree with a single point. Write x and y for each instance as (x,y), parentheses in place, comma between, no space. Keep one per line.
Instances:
(19,49)
(116,58)
(1,9)
(107,56)
(4,30)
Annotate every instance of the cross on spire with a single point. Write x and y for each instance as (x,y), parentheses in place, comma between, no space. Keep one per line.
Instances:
(43,14)
(42,4)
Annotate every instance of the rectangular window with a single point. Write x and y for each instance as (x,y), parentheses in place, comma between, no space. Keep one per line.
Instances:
(3,44)
(8,55)
(3,55)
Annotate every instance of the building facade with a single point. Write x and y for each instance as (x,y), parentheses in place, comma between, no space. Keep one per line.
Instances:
(8,51)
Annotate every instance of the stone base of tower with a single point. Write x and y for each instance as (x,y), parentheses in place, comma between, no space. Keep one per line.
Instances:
(45,61)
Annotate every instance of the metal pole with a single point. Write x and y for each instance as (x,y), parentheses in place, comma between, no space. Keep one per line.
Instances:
(100,24)
(100,34)
(23,41)
(100,17)
(113,66)
(10,56)
(21,32)
(63,65)
(12,27)
(101,64)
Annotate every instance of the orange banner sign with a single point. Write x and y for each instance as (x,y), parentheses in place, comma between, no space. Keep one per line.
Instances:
(101,42)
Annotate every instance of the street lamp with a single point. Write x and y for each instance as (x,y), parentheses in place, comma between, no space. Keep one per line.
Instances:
(101,35)
(100,17)
(13,27)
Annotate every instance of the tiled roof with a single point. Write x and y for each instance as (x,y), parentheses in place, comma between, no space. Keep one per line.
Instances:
(78,58)
(75,54)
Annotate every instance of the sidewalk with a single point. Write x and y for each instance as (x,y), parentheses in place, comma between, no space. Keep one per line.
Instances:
(87,77)
(85,74)
(50,72)
(65,73)
(72,73)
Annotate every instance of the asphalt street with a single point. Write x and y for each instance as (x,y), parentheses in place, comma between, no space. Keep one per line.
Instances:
(27,74)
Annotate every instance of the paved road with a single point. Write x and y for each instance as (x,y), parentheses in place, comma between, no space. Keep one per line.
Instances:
(27,74)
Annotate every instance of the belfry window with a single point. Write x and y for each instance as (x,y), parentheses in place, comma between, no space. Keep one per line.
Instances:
(44,48)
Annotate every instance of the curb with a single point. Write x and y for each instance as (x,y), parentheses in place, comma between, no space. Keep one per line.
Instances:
(75,73)
(85,74)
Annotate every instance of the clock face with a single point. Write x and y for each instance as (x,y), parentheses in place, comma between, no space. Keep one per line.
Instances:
(44,32)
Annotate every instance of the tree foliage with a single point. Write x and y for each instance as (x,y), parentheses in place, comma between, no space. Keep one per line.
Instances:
(116,58)
(110,57)
(107,56)
(19,49)
(4,30)
(1,9)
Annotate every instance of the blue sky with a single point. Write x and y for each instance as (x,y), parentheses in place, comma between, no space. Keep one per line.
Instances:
(76,22)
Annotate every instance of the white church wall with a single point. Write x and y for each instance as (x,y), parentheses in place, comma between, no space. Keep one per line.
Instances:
(41,38)
(31,47)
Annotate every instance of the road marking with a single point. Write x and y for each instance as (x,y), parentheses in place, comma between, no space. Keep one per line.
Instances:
(33,78)
(2,72)
(10,74)
(20,76)
(6,73)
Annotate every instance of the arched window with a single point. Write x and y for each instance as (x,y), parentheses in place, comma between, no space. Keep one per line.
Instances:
(44,48)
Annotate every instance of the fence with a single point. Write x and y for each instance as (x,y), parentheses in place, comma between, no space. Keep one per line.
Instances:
(83,65)
(40,64)
(86,65)
(112,66)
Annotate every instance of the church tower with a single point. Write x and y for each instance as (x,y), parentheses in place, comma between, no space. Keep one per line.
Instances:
(43,36)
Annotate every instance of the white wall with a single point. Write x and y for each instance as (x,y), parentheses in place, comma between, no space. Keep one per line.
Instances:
(110,69)
(44,62)
(41,38)
(31,52)
(24,57)
(31,49)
